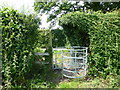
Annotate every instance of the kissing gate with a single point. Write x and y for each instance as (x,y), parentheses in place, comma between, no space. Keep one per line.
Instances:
(72,61)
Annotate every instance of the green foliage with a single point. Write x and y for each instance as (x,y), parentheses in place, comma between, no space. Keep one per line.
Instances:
(43,80)
(104,44)
(109,82)
(58,38)
(58,8)
(103,6)
(44,41)
(43,38)
(76,26)
(19,36)
(102,30)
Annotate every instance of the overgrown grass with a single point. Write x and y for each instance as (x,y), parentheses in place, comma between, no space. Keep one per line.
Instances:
(49,81)
(41,76)
(93,83)
(53,79)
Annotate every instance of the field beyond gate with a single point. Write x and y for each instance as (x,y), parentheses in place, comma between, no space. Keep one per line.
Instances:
(72,61)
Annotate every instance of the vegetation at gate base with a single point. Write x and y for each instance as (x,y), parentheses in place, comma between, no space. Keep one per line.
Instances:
(19,37)
(97,30)
(101,33)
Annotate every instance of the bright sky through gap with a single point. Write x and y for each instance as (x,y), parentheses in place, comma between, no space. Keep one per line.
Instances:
(26,6)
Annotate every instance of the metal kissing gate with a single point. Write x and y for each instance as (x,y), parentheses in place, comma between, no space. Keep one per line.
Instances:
(72,61)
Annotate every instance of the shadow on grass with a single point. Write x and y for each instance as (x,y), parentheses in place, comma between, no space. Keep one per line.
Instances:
(41,76)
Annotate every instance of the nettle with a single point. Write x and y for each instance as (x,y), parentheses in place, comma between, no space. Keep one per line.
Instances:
(101,33)
(19,37)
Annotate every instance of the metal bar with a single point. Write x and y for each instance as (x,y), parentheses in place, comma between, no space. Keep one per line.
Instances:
(68,49)
(76,52)
(73,71)
(73,76)
(62,64)
(52,57)
(72,57)
(75,62)
(41,54)
(66,58)
(59,63)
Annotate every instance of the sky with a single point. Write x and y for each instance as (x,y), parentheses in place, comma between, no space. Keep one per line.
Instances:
(25,6)
(19,4)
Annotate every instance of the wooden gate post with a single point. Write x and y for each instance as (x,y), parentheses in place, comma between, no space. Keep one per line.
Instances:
(50,51)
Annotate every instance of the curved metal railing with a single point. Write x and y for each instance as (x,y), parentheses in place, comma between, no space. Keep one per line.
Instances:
(72,61)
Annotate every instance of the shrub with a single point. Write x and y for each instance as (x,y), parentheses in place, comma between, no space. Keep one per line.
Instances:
(44,41)
(101,33)
(19,37)
(44,38)
(104,42)
(58,38)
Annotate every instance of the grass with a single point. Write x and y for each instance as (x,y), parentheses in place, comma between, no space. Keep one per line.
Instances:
(50,82)
(95,83)
(45,78)
(53,79)
(42,77)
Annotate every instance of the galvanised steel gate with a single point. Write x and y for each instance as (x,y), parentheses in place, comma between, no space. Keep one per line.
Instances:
(72,61)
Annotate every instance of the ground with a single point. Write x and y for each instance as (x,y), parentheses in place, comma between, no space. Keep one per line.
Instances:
(54,79)
(42,77)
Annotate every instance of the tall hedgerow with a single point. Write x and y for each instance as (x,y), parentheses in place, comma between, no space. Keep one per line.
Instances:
(104,45)
(101,33)
(19,36)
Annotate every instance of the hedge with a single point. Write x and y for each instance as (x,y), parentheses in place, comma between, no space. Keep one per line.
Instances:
(101,33)
(44,41)
(58,38)
(19,37)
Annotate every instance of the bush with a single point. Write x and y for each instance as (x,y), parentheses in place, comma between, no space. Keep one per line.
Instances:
(19,37)
(76,26)
(44,38)
(58,38)
(101,33)
(104,45)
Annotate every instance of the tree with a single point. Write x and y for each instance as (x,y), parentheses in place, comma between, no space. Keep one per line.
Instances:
(57,9)
(103,6)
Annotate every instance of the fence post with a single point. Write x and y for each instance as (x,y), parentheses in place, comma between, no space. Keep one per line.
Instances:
(50,51)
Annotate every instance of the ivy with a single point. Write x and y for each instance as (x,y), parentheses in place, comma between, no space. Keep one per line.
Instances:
(19,37)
